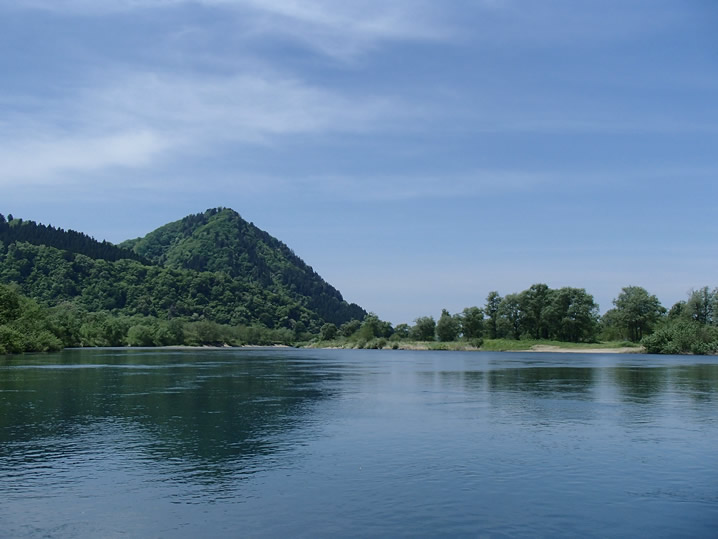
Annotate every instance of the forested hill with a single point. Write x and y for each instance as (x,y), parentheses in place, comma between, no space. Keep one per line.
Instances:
(18,230)
(212,266)
(219,240)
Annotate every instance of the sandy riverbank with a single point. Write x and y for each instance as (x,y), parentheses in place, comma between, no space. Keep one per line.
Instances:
(549,348)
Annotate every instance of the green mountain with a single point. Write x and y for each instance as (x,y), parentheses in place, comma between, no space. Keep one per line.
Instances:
(219,240)
(212,266)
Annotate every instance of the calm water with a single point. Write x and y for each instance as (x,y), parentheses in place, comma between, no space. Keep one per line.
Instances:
(237,443)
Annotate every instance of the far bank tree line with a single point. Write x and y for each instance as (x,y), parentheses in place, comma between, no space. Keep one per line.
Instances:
(538,313)
(565,315)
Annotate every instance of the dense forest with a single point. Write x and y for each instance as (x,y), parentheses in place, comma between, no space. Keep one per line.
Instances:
(17,230)
(215,279)
(213,272)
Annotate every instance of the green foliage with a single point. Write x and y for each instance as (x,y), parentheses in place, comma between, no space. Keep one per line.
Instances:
(636,312)
(472,323)
(682,337)
(220,241)
(510,317)
(401,331)
(18,230)
(448,327)
(534,304)
(424,329)
(493,300)
(701,306)
(372,327)
(24,325)
(349,328)
(328,332)
(571,316)
(246,278)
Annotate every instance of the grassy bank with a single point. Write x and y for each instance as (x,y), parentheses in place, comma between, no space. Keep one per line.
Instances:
(492,345)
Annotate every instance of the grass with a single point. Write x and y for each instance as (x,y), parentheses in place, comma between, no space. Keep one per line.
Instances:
(500,345)
(491,345)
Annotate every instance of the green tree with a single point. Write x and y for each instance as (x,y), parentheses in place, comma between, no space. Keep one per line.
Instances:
(401,331)
(347,329)
(509,317)
(447,327)
(637,312)
(424,328)
(701,304)
(328,332)
(141,335)
(9,304)
(533,304)
(472,323)
(572,315)
(493,300)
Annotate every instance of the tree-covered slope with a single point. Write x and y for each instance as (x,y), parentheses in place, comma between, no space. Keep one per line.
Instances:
(19,230)
(212,266)
(219,240)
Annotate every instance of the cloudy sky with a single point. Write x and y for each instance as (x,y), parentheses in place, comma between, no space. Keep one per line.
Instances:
(418,154)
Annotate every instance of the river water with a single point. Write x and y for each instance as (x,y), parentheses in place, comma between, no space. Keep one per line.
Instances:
(357,443)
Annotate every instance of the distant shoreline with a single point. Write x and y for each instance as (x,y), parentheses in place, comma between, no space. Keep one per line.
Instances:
(462,347)
(411,346)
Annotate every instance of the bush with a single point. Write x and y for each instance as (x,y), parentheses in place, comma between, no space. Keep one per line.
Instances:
(682,337)
(11,341)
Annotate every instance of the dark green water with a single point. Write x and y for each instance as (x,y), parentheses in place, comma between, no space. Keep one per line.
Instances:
(287,443)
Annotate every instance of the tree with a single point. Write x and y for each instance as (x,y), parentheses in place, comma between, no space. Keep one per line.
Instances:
(509,317)
(472,323)
(572,315)
(9,304)
(534,302)
(401,331)
(701,304)
(637,312)
(373,327)
(347,329)
(424,328)
(493,300)
(448,327)
(328,332)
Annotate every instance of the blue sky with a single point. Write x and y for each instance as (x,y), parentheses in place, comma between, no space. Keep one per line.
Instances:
(418,154)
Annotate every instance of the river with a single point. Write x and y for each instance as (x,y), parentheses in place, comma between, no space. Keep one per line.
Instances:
(357,443)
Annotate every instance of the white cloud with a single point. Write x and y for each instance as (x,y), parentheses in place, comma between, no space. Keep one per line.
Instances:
(245,107)
(38,161)
(137,118)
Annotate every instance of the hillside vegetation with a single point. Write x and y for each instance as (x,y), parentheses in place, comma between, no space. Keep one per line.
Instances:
(213,268)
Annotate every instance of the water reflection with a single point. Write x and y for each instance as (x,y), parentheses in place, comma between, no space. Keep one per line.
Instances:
(198,419)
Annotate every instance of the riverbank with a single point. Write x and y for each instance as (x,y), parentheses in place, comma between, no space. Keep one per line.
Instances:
(489,345)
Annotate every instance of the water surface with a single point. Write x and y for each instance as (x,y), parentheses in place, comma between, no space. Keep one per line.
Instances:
(357,443)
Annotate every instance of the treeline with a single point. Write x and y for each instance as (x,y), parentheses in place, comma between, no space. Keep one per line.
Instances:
(26,326)
(564,315)
(18,230)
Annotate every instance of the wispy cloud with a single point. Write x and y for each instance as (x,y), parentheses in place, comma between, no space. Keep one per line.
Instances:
(39,161)
(137,118)
(339,29)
